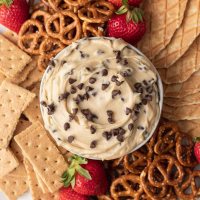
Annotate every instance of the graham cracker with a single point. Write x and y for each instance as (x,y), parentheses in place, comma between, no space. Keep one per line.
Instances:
(162,18)
(22,76)
(42,185)
(13,101)
(8,162)
(190,127)
(43,155)
(34,77)
(185,101)
(32,112)
(189,112)
(11,36)
(182,38)
(180,90)
(188,64)
(21,126)
(12,59)
(36,191)
(15,184)
(2,77)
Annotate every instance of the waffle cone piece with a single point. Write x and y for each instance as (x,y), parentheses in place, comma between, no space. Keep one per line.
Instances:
(184,67)
(180,90)
(163,18)
(183,37)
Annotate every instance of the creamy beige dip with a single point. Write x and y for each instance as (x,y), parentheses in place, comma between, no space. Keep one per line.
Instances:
(99,98)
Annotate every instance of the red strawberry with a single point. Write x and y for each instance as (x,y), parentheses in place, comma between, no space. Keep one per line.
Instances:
(118,3)
(13,13)
(197,149)
(127,24)
(70,194)
(87,177)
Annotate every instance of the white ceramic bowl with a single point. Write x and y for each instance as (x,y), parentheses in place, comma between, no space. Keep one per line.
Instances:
(159,83)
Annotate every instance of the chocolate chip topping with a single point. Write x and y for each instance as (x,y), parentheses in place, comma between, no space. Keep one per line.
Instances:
(144,101)
(107,135)
(104,72)
(79,98)
(89,115)
(130,127)
(63,62)
(114,78)
(100,52)
(148,97)
(52,63)
(51,109)
(115,93)
(63,96)
(86,96)
(73,115)
(43,103)
(140,128)
(93,144)
(120,138)
(118,56)
(118,83)
(73,90)
(75,111)
(88,88)
(66,126)
(80,86)
(105,86)
(128,111)
(126,73)
(145,83)
(70,139)
(137,85)
(71,80)
(149,89)
(84,55)
(92,80)
(92,129)
(110,120)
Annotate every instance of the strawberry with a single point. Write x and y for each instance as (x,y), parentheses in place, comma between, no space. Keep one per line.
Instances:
(197,149)
(13,13)
(118,3)
(86,177)
(127,24)
(70,194)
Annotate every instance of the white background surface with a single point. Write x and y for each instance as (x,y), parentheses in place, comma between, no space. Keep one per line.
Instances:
(27,196)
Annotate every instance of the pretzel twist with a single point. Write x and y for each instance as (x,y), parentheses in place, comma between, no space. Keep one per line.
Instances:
(93,30)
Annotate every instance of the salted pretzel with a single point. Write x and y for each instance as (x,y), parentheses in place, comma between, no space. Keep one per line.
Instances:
(104,197)
(184,151)
(61,5)
(92,30)
(77,3)
(166,138)
(169,170)
(155,193)
(97,12)
(31,36)
(69,23)
(136,162)
(127,186)
(42,6)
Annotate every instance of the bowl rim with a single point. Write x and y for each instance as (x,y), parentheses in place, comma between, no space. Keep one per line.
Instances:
(159,85)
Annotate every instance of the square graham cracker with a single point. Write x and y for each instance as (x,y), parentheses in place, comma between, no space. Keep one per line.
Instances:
(13,101)
(15,184)
(36,191)
(43,155)
(12,59)
(8,162)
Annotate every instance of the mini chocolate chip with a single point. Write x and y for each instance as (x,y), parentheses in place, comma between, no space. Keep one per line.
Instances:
(149,89)
(107,135)
(92,80)
(124,62)
(105,86)
(130,126)
(52,63)
(71,80)
(110,120)
(73,90)
(74,111)
(118,56)
(139,90)
(86,96)
(137,85)
(43,103)
(63,96)
(126,73)
(51,109)
(63,62)
(70,139)
(88,89)
(118,83)
(100,52)
(120,138)
(104,72)
(88,69)
(79,98)
(137,107)
(92,129)
(148,97)
(84,55)
(144,102)
(66,126)
(115,93)
(122,99)
(89,115)
(145,83)
(114,78)
(128,111)
(71,72)
(109,113)
(94,94)
(121,131)
(140,128)
(71,117)
(80,86)
(93,144)
(115,131)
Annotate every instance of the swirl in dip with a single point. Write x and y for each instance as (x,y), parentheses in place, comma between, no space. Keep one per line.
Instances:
(99,98)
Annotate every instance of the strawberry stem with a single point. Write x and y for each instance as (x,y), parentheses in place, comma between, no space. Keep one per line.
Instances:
(6,3)
(197,139)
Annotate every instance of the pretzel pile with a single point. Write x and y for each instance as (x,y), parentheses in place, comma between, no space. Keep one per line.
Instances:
(162,169)
(55,24)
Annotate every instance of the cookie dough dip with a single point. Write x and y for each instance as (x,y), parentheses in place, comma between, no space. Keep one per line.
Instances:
(100,98)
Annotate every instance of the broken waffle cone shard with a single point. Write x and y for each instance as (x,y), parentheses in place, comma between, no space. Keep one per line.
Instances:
(162,18)
(183,37)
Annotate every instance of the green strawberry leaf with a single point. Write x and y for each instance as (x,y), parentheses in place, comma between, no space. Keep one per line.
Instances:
(64,175)
(6,3)
(73,182)
(123,9)
(135,17)
(125,2)
(83,172)
(196,139)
